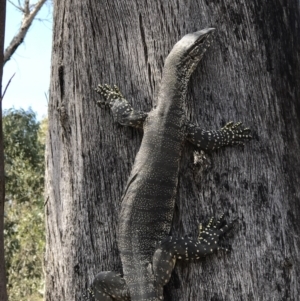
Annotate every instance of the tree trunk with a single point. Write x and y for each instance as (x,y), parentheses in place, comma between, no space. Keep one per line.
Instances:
(3,291)
(250,74)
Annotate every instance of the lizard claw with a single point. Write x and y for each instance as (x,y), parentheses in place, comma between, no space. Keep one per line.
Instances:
(228,125)
(224,247)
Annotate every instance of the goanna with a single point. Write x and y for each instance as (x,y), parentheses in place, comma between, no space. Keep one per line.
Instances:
(148,254)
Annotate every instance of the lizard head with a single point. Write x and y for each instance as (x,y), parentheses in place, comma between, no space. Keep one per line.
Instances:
(187,53)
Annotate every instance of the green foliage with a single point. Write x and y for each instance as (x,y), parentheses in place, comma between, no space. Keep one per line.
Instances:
(24,155)
(24,142)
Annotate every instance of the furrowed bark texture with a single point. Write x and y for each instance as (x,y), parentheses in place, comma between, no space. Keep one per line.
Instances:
(3,291)
(250,74)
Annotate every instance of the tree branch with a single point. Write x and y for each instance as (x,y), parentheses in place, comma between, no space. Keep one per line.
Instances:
(28,17)
(26,8)
(16,6)
(1,97)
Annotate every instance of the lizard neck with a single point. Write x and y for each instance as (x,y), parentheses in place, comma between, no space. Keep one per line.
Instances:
(172,93)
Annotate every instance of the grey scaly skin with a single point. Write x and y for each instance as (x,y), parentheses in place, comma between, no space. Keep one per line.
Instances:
(148,254)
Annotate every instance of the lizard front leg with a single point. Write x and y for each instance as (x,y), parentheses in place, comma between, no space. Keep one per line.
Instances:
(109,286)
(230,134)
(185,248)
(122,111)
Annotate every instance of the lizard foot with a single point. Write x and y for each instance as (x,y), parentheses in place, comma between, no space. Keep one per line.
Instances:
(122,111)
(209,237)
(109,94)
(236,133)
(108,286)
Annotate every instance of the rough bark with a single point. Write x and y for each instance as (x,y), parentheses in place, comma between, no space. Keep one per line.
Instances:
(3,291)
(250,74)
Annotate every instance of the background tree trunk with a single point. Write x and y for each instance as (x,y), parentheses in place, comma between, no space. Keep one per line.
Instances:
(3,291)
(250,74)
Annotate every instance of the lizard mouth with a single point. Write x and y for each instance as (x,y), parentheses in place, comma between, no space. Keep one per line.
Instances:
(194,46)
(201,44)
(186,55)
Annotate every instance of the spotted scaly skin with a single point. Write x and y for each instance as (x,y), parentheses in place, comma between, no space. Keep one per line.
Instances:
(148,254)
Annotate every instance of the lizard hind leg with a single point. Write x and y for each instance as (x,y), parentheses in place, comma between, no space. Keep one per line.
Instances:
(109,286)
(186,248)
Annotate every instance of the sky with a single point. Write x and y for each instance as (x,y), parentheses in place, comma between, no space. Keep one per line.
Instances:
(31,62)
